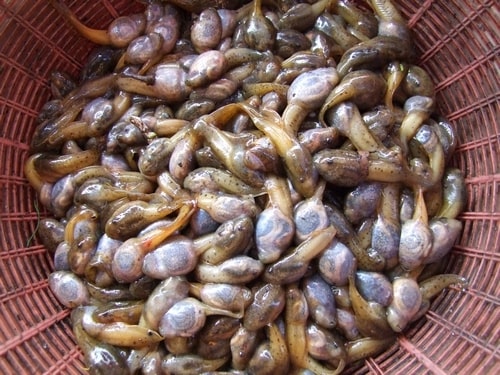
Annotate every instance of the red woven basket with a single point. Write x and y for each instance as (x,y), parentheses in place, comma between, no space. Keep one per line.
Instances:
(458,44)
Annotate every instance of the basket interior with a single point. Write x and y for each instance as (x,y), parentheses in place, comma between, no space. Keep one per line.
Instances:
(458,44)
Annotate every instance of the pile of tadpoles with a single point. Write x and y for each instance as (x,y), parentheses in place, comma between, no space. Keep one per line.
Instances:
(260,190)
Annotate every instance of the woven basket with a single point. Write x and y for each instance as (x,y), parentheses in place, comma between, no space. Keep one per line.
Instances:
(458,42)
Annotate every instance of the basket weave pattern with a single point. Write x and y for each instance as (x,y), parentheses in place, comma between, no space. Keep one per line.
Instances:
(458,44)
